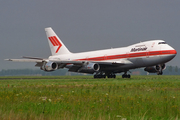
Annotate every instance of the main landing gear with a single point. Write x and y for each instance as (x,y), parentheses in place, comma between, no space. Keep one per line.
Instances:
(99,76)
(125,75)
(111,75)
(103,75)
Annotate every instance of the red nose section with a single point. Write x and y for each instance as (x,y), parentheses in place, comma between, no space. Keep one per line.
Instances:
(173,52)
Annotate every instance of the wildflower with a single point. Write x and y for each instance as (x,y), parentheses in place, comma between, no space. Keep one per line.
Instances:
(72,91)
(26,96)
(149,89)
(49,100)
(43,98)
(107,94)
(124,119)
(118,116)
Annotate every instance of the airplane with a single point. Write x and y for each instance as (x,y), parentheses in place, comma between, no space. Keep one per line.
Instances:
(151,54)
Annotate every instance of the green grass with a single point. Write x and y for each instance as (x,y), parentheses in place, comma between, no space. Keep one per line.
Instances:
(83,98)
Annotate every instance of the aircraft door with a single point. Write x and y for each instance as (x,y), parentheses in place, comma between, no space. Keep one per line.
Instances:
(127,55)
(105,57)
(147,54)
(87,58)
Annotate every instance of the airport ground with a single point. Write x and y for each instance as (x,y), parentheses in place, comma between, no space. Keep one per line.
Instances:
(82,98)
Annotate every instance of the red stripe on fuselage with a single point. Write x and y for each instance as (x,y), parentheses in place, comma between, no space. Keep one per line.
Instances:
(130,55)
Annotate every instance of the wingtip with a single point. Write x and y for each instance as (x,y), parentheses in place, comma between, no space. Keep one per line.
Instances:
(7,59)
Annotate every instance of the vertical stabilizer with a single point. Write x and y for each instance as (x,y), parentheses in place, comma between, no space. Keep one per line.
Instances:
(55,44)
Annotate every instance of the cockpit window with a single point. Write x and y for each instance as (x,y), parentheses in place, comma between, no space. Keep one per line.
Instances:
(162,43)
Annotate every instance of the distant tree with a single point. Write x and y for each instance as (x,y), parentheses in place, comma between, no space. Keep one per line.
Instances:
(170,68)
(176,69)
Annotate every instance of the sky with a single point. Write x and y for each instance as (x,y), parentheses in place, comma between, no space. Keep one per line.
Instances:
(84,25)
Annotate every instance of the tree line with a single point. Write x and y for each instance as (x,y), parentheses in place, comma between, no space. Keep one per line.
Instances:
(34,72)
(170,70)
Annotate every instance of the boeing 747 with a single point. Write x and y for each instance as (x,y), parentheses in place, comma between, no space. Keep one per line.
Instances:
(152,55)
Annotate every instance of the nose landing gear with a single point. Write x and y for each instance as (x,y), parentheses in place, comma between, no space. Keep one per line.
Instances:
(159,70)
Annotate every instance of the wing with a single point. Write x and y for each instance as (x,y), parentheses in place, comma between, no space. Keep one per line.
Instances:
(73,65)
(91,66)
(24,60)
(37,60)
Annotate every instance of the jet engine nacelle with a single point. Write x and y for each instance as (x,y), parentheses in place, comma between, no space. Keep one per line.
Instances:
(155,69)
(49,66)
(90,68)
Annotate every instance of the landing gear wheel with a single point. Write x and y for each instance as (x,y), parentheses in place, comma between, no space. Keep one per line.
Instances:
(159,69)
(100,75)
(112,75)
(160,73)
(126,76)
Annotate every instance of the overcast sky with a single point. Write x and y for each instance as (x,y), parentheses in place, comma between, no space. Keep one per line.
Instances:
(84,25)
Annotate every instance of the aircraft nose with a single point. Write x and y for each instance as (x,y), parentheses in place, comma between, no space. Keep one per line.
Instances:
(173,53)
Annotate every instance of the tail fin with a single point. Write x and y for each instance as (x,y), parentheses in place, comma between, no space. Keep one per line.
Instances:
(55,44)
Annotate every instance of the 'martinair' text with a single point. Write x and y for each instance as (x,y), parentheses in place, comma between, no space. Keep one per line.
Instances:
(138,49)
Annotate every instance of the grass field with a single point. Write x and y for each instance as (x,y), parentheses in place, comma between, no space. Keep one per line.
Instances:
(85,98)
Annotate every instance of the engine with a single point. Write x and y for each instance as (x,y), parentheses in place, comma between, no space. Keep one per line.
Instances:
(89,68)
(156,69)
(49,66)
